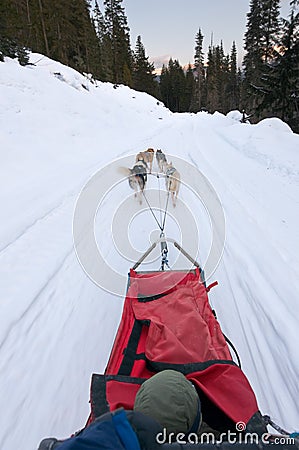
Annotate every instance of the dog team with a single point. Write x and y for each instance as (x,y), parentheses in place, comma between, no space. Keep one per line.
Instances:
(137,176)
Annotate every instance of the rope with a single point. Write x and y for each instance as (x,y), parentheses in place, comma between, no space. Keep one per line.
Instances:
(164,249)
(165,213)
(152,211)
(233,348)
(269,421)
(159,197)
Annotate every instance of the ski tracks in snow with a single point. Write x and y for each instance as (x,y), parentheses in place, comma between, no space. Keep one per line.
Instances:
(259,290)
(51,305)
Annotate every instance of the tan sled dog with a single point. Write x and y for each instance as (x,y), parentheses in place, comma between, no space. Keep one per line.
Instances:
(147,156)
(173,182)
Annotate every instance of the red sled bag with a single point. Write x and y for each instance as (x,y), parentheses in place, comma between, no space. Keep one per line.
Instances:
(167,323)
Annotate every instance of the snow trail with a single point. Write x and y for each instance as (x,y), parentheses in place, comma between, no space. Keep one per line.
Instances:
(57,327)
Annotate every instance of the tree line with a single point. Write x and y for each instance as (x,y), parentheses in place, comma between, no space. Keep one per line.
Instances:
(98,43)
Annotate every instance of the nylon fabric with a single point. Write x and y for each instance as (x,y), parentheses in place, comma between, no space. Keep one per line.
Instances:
(180,332)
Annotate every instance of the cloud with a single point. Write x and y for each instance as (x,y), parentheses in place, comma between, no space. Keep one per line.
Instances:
(158,61)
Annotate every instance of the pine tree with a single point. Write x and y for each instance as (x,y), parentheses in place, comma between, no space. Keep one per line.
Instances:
(190,91)
(43,13)
(178,82)
(253,60)
(198,72)
(232,89)
(117,43)
(60,30)
(270,27)
(165,86)
(217,79)
(99,27)
(211,81)
(173,87)
(99,22)
(222,77)
(12,23)
(280,88)
(91,44)
(260,40)
(143,76)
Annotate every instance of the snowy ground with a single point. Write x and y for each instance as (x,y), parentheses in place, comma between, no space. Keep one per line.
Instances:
(56,326)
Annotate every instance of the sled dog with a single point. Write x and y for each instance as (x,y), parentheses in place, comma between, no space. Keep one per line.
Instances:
(137,177)
(147,156)
(161,160)
(172,181)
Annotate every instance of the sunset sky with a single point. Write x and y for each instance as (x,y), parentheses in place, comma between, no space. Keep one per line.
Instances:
(168,27)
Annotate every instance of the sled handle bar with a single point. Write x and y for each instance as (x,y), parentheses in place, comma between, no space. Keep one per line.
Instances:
(163,239)
(148,251)
(186,254)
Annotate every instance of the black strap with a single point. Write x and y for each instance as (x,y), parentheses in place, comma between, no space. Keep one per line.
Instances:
(233,348)
(123,379)
(98,399)
(150,298)
(188,368)
(197,421)
(130,352)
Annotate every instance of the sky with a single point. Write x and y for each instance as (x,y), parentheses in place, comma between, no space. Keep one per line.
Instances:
(57,326)
(168,27)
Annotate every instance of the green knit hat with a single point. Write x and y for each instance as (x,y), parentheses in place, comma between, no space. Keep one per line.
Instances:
(170,399)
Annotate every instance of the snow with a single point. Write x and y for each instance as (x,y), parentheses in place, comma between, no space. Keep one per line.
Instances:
(58,129)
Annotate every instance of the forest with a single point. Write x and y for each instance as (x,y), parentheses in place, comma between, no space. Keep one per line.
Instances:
(95,42)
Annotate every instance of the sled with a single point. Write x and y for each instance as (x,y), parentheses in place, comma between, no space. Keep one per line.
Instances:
(167,323)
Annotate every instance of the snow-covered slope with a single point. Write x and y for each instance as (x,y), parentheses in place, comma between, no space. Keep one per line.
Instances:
(56,326)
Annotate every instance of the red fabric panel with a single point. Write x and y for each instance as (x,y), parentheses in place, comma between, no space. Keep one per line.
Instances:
(182,330)
(145,284)
(229,389)
(121,394)
(121,339)
(225,385)
(154,283)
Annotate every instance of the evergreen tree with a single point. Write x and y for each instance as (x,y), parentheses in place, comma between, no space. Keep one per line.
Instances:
(91,44)
(165,86)
(117,48)
(198,72)
(270,27)
(99,22)
(260,40)
(11,49)
(232,89)
(222,77)
(143,76)
(173,87)
(190,91)
(104,44)
(211,81)
(217,79)
(11,27)
(280,87)
(60,30)
(178,82)
(253,60)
